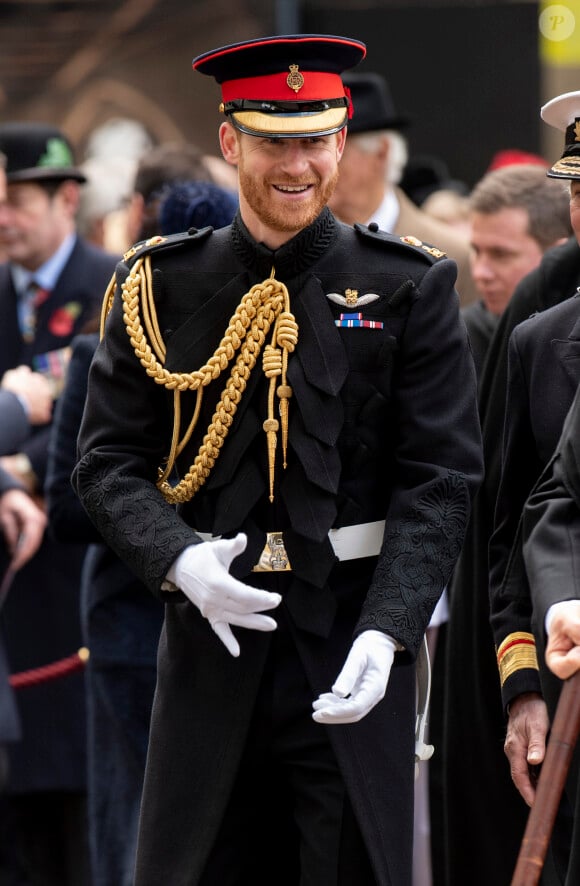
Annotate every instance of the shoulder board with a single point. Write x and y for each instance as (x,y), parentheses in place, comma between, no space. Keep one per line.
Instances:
(161,243)
(425,250)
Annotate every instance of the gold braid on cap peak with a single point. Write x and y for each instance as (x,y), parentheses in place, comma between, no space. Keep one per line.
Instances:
(265,305)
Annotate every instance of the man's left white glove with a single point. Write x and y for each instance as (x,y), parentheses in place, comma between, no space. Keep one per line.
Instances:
(362,682)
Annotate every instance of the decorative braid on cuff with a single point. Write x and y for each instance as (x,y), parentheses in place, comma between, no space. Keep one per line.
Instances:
(416,562)
(133,519)
(516,652)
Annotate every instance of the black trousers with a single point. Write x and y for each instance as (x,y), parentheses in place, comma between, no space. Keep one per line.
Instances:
(43,840)
(288,821)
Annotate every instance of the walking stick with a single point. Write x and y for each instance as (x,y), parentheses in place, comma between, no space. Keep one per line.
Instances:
(560,748)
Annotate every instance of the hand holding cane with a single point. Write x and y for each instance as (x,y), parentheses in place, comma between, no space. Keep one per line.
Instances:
(563,736)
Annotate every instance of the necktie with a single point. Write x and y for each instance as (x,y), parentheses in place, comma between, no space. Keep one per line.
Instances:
(28,305)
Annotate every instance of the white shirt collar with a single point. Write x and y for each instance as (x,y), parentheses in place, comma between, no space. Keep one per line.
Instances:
(47,274)
(387,215)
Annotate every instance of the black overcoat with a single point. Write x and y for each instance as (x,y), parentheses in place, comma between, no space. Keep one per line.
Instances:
(543,374)
(484,815)
(379,429)
(551,541)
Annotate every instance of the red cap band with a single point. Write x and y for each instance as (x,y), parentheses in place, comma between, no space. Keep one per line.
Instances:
(317,86)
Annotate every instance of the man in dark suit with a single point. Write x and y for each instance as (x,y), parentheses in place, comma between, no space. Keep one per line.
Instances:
(22,523)
(517,213)
(50,285)
(331,485)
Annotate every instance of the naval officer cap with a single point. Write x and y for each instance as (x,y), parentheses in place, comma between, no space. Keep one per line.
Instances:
(284,86)
(563,112)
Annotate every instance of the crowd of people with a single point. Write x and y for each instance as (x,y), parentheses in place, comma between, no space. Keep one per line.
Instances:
(272,424)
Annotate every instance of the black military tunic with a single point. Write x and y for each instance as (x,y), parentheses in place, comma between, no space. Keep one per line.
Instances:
(382,426)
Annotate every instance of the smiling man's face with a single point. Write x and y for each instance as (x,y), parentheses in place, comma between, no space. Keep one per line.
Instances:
(284,182)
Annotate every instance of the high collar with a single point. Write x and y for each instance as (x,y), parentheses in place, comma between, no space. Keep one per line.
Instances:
(293,257)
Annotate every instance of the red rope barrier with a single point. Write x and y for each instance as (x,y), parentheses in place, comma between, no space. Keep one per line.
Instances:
(51,671)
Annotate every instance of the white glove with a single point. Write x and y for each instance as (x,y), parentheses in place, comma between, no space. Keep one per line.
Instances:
(202,572)
(362,682)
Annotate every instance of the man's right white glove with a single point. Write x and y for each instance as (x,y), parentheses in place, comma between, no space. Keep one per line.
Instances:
(362,682)
(202,572)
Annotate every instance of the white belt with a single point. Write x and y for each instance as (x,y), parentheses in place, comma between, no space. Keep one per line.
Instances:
(348,543)
(354,542)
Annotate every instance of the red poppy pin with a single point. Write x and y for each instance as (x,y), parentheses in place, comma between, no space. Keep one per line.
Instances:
(63,320)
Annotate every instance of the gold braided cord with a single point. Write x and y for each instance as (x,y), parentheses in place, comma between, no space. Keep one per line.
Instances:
(287,332)
(246,333)
(275,364)
(252,309)
(163,473)
(222,417)
(150,314)
(193,423)
(107,303)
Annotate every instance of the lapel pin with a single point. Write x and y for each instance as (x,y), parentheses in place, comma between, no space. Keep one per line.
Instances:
(351,298)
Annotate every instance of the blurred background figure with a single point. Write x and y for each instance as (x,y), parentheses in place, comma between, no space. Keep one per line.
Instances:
(425,174)
(515,157)
(111,157)
(195,204)
(222,173)
(371,169)
(162,165)
(26,399)
(427,181)
(121,619)
(22,524)
(516,215)
(449,207)
(52,282)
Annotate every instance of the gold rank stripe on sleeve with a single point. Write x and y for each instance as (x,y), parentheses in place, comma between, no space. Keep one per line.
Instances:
(516,652)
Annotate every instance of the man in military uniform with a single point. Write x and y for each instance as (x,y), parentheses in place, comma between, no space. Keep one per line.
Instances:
(324,477)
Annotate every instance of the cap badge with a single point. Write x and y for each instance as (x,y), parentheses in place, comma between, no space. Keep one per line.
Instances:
(295,80)
(577,129)
(57,154)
